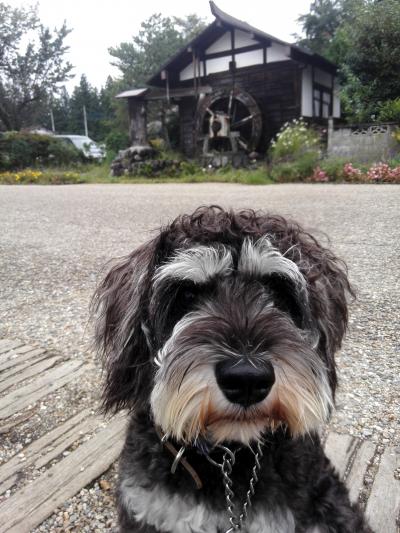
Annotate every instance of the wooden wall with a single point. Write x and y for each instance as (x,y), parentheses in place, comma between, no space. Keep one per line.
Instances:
(187,108)
(276,87)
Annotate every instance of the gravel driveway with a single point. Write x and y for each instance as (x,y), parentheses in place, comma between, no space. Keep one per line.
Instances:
(54,241)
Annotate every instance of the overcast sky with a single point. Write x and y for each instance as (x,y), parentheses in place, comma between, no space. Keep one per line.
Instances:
(99,24)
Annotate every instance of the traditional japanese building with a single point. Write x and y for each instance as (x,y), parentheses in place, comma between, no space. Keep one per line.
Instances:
(235,86)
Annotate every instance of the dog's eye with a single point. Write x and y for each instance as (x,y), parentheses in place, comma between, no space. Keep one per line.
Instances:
(188,295)
(284,297)
(184,300)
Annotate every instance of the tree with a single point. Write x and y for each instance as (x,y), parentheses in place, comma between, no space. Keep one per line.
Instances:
(363,38)
(374,57)
(115,117)
(61,112)
(31,73)
(323,27)
(158,39)
(320,24)
(85,95)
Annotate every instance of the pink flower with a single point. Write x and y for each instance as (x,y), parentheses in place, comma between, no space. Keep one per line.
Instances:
(381,172)
(319,176)
(351,173)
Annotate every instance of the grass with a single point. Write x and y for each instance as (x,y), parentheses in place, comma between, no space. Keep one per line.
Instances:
(281,173)
(95,173)
(258,176)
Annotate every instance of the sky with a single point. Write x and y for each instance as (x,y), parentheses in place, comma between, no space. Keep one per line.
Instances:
(100,24)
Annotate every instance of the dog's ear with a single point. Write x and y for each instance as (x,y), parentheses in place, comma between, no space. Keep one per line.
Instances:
(329,290)
(119,307)
(327,284)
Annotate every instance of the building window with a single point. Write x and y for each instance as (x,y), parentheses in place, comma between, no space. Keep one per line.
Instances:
(322,101)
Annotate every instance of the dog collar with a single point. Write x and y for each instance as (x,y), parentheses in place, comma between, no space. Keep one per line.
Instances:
(178,458)
(236,519)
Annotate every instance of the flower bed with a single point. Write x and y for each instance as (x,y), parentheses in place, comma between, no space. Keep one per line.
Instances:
(37,176)
(377,173)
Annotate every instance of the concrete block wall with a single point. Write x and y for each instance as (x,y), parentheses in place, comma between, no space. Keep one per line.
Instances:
(370,143)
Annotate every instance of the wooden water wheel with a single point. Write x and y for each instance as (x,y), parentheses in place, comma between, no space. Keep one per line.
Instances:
(228,121)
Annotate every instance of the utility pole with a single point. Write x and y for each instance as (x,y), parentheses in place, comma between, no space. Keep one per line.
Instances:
(85,121)
(53,127)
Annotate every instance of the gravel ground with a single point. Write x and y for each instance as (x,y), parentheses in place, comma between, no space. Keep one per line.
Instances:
(55,240)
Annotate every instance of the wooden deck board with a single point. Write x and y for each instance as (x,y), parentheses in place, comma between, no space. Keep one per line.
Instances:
(8,345)
(383,507)
(40,452)
(15,359)
(50,381)
(339,449)
(9,379)
(355,478)
(28,507)
(33,502)
(18,365)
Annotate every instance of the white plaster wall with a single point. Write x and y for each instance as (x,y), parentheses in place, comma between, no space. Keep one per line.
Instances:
(277,52)
(246,59)
(306,92)
(336,99)
(243,39)
(219,64)
(221,44)
(187,72)
(323,78)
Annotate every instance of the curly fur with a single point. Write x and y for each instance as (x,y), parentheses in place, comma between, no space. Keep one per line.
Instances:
(296,318)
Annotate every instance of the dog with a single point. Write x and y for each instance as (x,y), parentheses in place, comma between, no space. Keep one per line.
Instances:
(218,335)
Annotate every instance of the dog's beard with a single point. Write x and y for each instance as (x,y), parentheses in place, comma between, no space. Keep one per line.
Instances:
(187,403)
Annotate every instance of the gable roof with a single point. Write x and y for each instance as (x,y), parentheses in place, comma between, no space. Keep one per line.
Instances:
(217,28)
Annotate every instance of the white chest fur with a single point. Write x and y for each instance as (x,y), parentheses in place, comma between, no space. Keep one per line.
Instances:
(171,513)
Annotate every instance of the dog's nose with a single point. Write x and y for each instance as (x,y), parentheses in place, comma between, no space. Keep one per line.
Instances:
(244,383)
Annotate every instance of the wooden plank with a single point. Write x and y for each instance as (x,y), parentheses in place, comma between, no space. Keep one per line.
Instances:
(15,359)
(24,348)
(15,369)
(48,447)
(356,475)
(3,342)
(383,506)
(9,345)
(339,450)
(48,382)
(29,506)
(22,417)
(13,378)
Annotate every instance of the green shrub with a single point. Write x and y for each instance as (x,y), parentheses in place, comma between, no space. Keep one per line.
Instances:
(389,111)
(395,162)
(292,171)
(333,167)
(116,141)
(294,140)
(63,153)
(20,150)
(396,135)
(189,168)
(157,143)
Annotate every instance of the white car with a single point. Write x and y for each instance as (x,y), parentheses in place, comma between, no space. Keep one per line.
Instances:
(84,144)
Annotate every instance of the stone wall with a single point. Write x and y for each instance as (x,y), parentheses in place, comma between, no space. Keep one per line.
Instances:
(369,143)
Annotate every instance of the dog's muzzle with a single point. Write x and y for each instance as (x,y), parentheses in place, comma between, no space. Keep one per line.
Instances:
(244,383)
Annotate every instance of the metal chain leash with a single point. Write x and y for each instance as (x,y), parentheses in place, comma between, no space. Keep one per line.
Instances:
(228,460)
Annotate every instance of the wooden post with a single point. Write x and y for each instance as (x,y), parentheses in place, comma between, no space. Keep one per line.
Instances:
(330,134)
(164,126)
(137,121)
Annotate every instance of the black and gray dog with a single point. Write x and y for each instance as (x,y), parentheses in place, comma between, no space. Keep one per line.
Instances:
(219,336)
